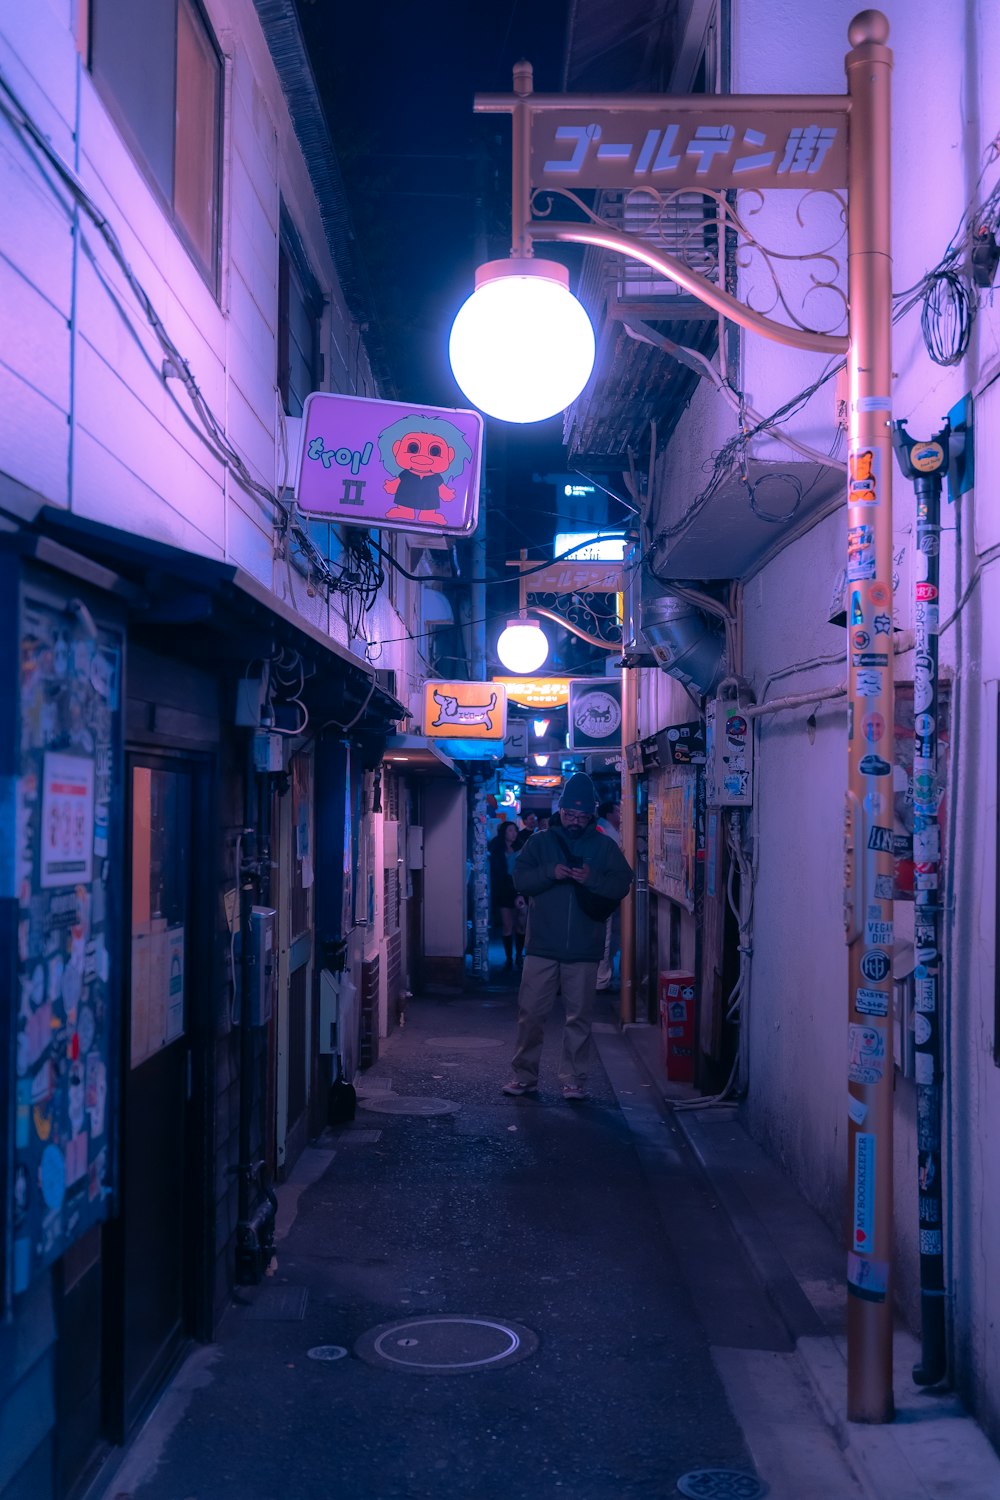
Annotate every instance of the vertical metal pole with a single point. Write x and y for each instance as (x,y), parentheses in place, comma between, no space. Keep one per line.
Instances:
(927,897)
(520,210)
(926,463)
(630,734)
(868,828)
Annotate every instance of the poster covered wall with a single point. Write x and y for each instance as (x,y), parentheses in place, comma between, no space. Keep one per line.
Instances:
(674,833)
(62,966)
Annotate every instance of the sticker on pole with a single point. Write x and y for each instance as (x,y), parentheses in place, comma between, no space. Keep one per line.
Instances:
(866,1054)
(876,965)
(867,1279)
(863,1236)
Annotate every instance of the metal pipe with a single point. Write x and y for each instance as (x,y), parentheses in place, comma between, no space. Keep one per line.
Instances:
(629,829)
(868,825)
(520,195)
(245,1235)
(666,104)
(926,464)
(675,270)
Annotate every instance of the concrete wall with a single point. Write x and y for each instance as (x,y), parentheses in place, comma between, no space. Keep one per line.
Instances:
(946,112)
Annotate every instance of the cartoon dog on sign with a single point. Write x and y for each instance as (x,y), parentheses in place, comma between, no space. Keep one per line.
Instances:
(423,454)
(463,715)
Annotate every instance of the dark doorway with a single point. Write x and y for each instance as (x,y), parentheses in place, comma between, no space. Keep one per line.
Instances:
(152,1292)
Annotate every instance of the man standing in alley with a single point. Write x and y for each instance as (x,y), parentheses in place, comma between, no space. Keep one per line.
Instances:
(574,877)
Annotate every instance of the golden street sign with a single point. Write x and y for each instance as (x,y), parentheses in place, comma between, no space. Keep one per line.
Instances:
(757,141)
(576,578)
(465,710)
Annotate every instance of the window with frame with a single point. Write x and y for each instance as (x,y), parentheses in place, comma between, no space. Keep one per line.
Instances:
(159,71)
(300,308)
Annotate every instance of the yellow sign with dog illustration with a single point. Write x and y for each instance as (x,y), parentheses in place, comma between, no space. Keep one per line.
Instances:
(465,710)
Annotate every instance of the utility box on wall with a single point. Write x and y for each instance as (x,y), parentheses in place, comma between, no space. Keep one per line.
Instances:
(677,1024)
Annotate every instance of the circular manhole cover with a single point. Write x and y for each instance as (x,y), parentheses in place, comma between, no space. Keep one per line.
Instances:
(327,1353)
(445,1345)
(721,1484)
(405,1104)
(462,1043)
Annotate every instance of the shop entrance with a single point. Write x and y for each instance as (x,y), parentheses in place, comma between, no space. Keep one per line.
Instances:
(151,1293)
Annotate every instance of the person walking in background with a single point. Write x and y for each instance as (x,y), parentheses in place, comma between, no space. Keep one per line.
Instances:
(528,825)
(573,876)
(609,821)
(503,895)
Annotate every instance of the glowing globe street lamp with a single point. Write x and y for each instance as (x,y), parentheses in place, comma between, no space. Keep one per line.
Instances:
(523,646)
(522,347)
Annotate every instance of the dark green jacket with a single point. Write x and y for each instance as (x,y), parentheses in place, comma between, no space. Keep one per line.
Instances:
(557,927)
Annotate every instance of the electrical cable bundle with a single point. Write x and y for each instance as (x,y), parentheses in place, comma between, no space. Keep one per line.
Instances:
(947,315)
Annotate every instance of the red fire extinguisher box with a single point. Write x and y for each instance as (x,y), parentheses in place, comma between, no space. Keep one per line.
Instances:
(677,1015)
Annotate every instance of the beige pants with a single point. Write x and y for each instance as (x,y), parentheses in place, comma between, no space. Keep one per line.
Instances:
(541,981)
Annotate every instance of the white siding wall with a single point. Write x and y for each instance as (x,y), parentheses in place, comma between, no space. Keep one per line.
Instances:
(946,111)
(86,420)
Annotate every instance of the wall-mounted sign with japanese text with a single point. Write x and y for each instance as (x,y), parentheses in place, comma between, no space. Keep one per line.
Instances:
(536,692)
(465,711)
(387,464)
(595,713)
(692,142)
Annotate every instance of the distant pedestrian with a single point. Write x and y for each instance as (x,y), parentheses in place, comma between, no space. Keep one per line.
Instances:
(609,821)
(573,876)
(503,894)
(529,823)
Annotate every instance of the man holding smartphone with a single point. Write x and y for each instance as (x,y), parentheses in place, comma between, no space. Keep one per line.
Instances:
(573,877)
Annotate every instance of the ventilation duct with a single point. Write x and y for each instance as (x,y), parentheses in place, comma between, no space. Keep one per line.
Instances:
(685,642)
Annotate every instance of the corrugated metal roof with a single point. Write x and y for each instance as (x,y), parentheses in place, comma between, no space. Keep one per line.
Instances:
(283,35)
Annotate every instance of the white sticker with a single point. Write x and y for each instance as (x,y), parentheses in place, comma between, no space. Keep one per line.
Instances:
(873,403)
(878,934)
(871,1002)
(864,1193)
(857,1109)
(921,1029)
(923,1067)
(866,1054)
(925,995)
(927,843)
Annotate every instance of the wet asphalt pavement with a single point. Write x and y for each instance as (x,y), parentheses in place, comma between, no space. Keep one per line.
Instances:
(589,1225)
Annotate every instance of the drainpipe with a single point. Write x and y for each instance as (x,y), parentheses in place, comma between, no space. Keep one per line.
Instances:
(926,465)
(255,1227)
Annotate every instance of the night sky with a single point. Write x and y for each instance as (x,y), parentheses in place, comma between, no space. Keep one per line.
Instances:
(428,181)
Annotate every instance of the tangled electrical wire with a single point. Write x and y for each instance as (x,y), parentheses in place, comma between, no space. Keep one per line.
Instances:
(946,316)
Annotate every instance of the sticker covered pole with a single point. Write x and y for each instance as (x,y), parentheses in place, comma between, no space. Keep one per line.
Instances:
(868,897)
(926,464)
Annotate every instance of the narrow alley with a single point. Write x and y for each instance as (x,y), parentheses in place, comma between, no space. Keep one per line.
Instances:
(475,1296)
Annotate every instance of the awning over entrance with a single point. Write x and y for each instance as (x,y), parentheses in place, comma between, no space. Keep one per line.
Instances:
(215,613)
(413,753)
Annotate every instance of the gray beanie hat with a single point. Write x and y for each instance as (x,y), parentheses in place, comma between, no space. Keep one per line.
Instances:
(578,795)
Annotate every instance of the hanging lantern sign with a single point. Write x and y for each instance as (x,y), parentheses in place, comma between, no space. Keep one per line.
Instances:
(390,465)
(595,713)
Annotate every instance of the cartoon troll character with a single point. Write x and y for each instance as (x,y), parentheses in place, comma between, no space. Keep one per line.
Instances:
(423,453)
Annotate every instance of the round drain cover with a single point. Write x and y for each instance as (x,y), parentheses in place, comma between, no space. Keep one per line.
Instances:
(721,1484)
(403,1104)
(462,1043)
(445,1345)
(327,1352)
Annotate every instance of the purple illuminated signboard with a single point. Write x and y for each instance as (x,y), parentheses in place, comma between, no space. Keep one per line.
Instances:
(388,464)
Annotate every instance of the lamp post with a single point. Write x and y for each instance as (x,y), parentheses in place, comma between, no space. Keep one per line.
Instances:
(563,144)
